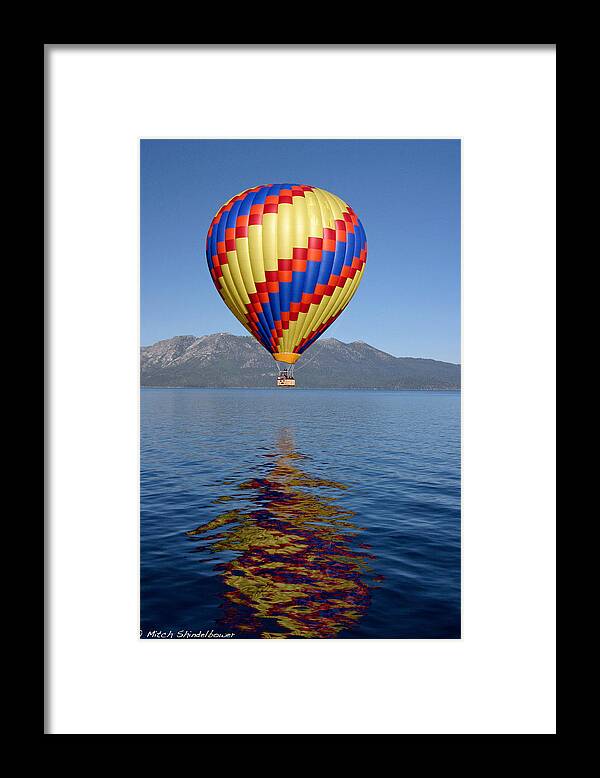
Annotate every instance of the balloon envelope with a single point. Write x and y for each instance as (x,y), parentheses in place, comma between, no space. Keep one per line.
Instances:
(286,259)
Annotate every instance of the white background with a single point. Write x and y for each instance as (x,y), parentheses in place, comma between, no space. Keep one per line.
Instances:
(500,677)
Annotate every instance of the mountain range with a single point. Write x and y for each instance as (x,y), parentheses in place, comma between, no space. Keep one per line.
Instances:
(225,360)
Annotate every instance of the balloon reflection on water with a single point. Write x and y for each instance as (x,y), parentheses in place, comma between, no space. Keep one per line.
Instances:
(295,572)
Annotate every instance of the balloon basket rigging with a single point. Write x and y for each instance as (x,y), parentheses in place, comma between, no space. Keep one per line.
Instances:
(285,376)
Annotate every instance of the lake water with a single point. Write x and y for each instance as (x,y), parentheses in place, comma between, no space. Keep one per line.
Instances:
(270,513)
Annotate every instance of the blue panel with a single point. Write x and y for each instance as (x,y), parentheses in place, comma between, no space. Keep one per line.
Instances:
(246,204)
(349,249)
(221,228)
(268,317)
(298,281)
(340,254)
(212,246)
(275,306)
(358,239)
(233,214)
(285,294)
(263,328)
(363,236)
(312,274)
(326,265)
(261,195)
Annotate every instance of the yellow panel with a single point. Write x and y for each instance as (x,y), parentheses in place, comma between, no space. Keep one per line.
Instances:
(269,238)
(327,219)
(241,246)
(336,205)
(236,274)
(301,223)
(341,204)
(296,329)
(327,308)
(303,323)
(230,293)
(255,248)
(285,231)
(315,218)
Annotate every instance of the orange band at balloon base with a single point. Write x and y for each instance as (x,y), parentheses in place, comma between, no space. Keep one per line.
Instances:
(289,358)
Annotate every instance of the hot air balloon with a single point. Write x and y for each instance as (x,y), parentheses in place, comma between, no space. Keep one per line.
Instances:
(286,259)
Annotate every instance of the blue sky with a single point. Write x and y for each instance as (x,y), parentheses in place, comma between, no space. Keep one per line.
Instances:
(406,194)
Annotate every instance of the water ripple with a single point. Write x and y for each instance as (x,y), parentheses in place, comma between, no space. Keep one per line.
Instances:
(276,514)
